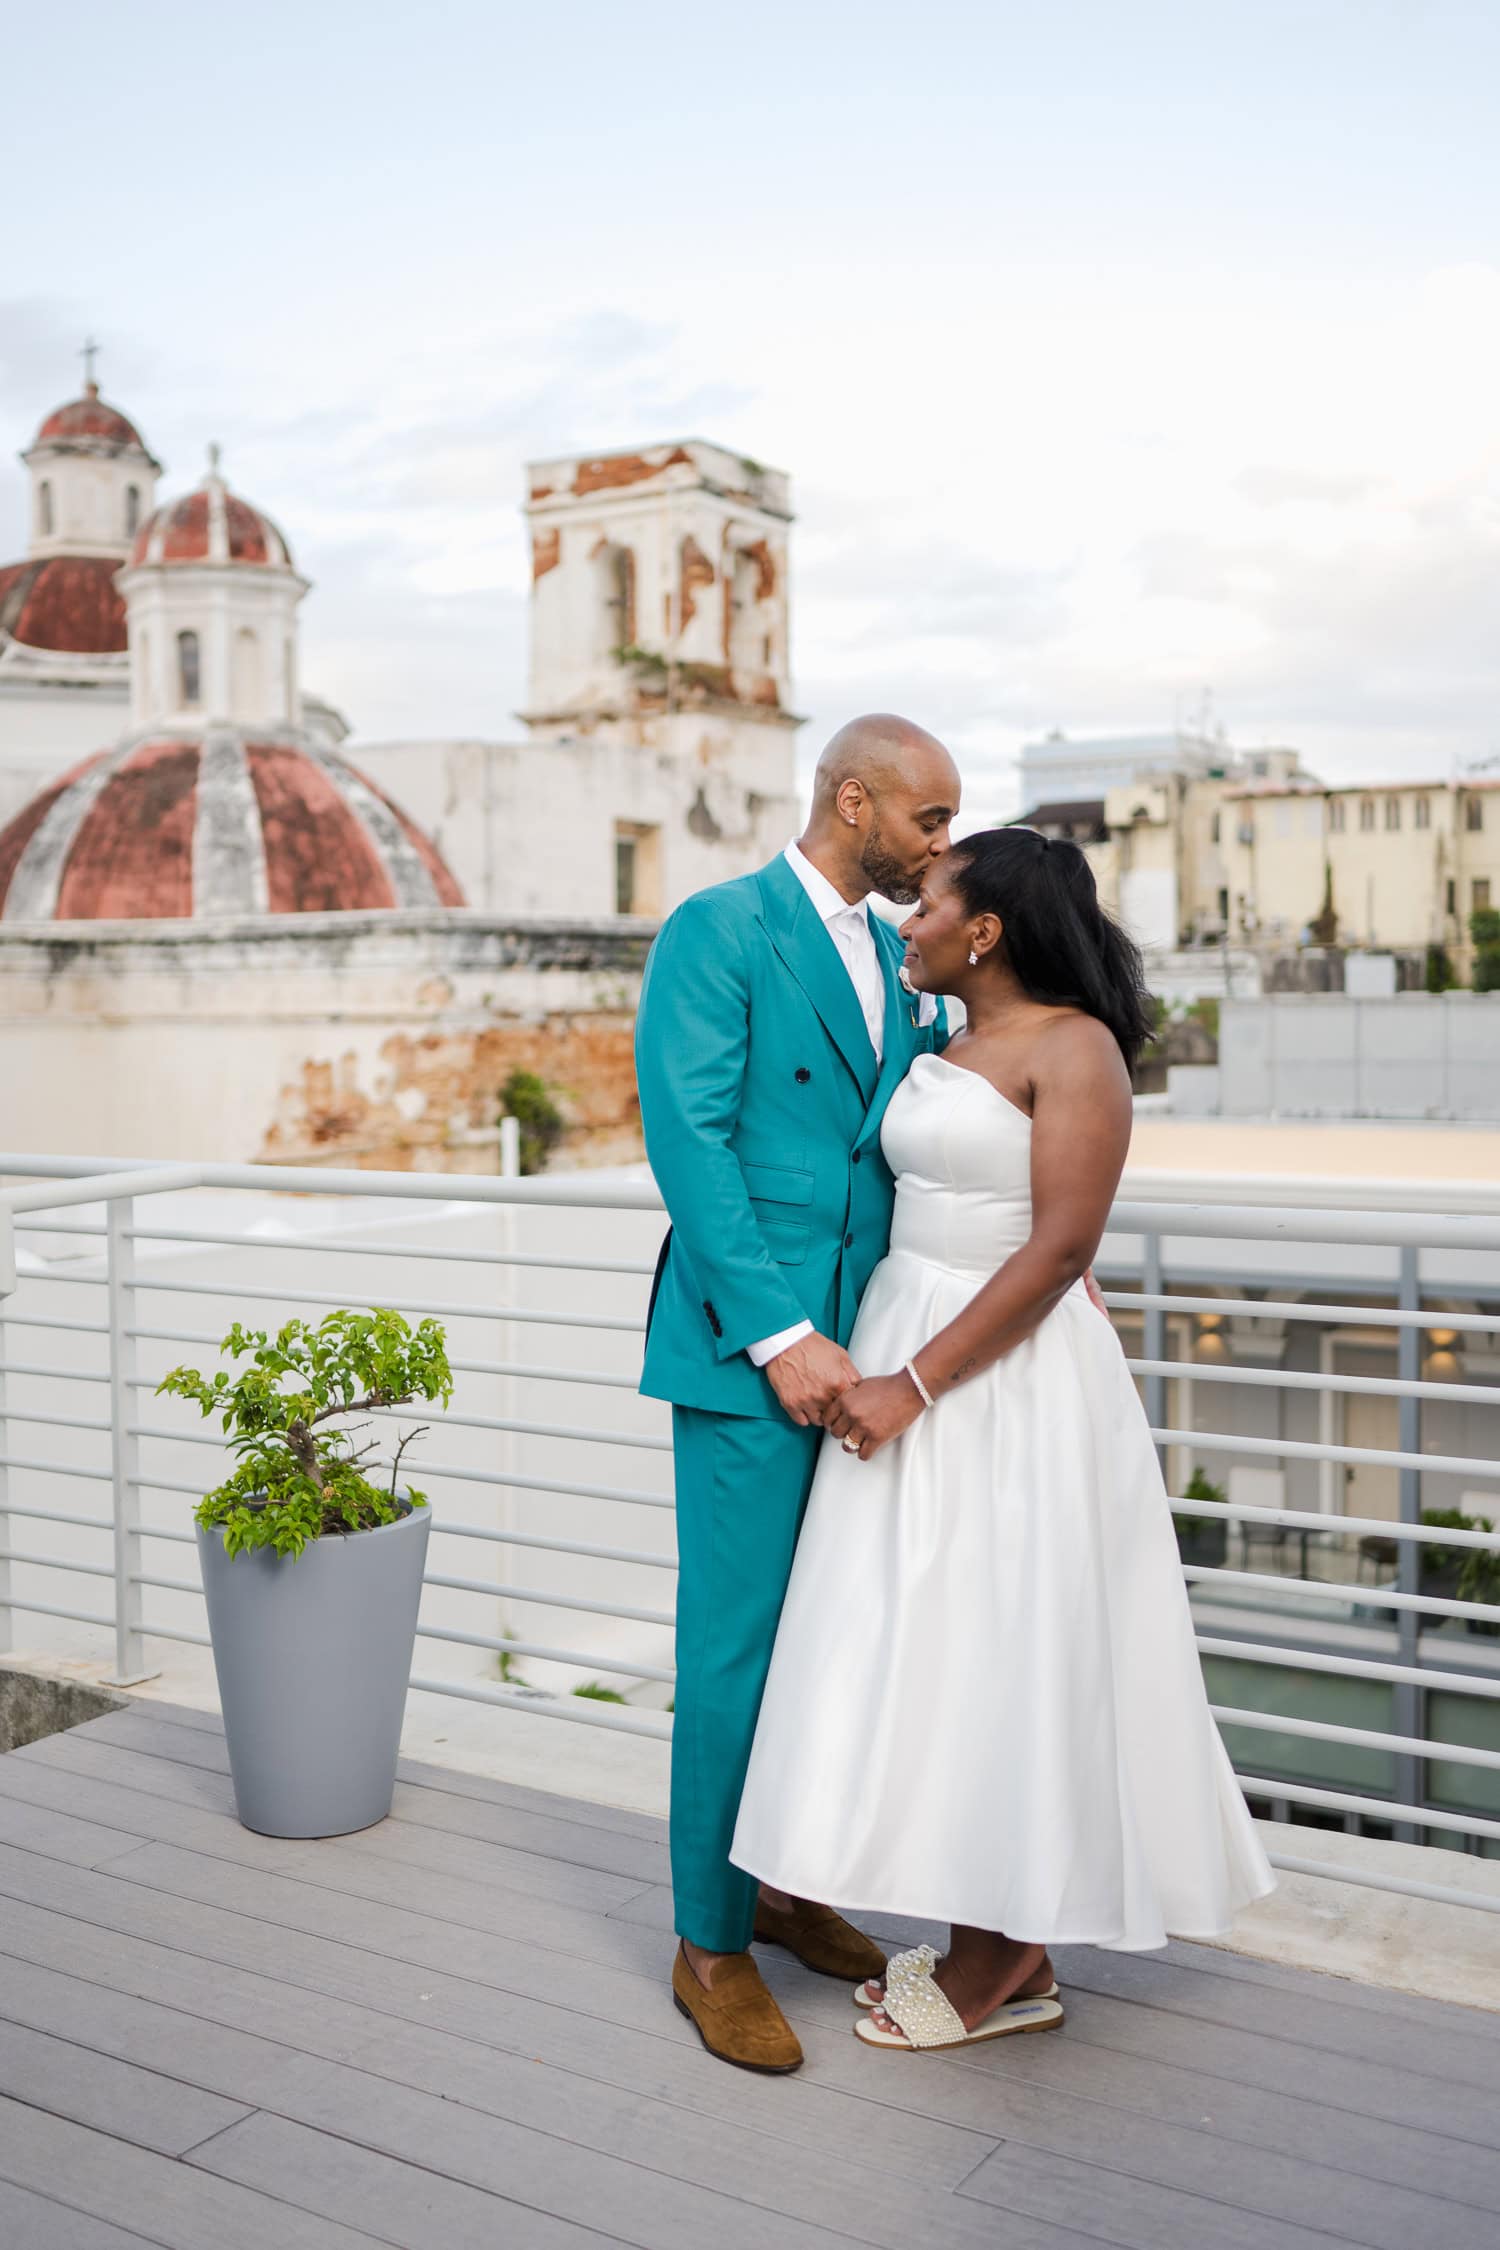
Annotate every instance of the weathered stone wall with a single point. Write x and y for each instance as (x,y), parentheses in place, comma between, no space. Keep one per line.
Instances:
(380,1041)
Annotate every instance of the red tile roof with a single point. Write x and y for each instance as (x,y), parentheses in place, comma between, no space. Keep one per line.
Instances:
(63,602)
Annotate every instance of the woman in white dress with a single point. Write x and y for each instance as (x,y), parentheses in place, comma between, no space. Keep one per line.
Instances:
(985,1706)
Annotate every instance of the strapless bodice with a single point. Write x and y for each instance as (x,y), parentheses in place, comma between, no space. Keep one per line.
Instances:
(961,1154)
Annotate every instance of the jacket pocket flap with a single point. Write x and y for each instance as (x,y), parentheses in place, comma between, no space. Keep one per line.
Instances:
(777,1183)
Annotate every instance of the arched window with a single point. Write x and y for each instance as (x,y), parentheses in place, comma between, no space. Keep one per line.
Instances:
(617,578)
(44,509)
(132,510)
(247,689)
(187,668)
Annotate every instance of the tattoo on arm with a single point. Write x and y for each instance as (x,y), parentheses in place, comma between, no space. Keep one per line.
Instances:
(959,1373)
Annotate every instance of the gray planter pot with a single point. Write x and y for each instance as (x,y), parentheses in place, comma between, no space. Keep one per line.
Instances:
(313,1658)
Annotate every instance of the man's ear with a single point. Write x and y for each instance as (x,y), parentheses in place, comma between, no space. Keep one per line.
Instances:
(850,800)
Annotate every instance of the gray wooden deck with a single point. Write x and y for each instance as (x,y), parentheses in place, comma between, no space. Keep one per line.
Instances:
(454,2030)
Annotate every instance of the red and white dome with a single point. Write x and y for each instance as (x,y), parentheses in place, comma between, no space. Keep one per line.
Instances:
(63,603)
(211,525)
(90,423)
(235,822)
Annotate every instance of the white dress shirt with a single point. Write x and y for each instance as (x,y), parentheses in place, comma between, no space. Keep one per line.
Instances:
(849,928)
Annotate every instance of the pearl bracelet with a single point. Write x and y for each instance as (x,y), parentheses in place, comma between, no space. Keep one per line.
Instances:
(922,1391)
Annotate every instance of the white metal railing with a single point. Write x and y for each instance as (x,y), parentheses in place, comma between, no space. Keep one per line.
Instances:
(134,1300)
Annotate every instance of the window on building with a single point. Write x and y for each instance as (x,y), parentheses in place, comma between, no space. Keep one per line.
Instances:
(1452,896)
(1213,829)
(1474,814)
(1393,812)
(1367,813)
(187,668)
(1481,894)
(1224,907)
(637,868)
(617,574)
(44,509)
(1422,812)
(1282,820)
(132,510)
(1336,816)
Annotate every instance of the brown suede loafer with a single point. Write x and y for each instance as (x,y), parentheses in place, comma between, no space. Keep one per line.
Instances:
(820,1939)
(736,2019)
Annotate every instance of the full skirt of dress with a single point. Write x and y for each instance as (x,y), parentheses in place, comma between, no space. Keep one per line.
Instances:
(985,1704)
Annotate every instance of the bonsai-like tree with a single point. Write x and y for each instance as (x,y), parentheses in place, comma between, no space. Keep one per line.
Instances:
(299,1474)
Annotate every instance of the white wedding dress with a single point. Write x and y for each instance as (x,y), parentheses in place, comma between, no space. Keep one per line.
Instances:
(985,1704)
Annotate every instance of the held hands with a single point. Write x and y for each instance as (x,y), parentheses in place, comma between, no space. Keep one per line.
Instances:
(809,1376)
(870,1414)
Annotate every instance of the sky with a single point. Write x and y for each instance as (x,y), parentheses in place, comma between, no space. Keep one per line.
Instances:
(1134,363)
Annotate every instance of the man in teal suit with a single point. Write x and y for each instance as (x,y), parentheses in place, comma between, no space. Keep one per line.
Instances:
(773,1031)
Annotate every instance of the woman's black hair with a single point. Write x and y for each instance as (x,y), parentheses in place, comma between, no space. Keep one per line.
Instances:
(1063,947)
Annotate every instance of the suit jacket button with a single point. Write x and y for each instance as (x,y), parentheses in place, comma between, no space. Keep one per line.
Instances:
(854,1159)
(848,1242)
(803,1076)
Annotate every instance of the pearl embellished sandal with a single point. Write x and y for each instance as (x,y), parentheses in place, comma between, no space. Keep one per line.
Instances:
(865,1998)
(925,2017)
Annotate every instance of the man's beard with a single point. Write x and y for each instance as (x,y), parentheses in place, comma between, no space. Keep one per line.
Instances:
(886,874)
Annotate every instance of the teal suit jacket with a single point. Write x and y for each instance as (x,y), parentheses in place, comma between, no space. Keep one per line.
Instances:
(762,1106)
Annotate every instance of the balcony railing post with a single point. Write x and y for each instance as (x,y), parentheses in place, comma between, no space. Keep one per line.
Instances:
(1409,1700)
(1155,1338)
(7,1623)
(130,1663)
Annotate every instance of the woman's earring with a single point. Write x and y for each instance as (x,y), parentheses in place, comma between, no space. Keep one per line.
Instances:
(973,958)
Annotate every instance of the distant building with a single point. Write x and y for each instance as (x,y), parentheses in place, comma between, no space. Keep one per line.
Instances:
(1059,770)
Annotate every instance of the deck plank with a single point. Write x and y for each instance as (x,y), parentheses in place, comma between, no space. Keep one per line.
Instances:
(453,2028)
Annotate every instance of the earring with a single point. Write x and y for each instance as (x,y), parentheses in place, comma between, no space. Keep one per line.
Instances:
(973,958)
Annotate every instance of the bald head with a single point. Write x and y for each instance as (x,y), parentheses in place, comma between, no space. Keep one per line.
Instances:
(880,751)
(883,796)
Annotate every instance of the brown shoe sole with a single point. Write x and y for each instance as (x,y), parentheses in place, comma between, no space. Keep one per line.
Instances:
(764,2070)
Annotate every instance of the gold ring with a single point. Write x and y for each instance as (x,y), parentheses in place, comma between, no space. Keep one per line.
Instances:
(850,1446)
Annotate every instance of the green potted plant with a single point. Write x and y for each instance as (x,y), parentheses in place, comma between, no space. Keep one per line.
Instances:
(1202,1539)
(1479,1580)
(312,1559)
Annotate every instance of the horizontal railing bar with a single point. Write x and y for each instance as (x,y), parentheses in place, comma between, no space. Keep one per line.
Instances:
(1360,1738)
(58,1226)
(1295,1379)
(51,1609)
(641,1440)
(174,1633)
(1382,1808)
(1441,1894)
(500,1538)
(631,1670)
(1354,1667)
(53,1374)
(565,1488)
(17,1318)
(544,1600)
(1265,1223)
(193,1490)
(568,1190)
(178,1538)
(580,1709)
(1361,1456)
(339,1299)
(1317,1520)
(589,1375)
(79,1280)
(1264,1308)
(209,1336)
(167,1585)
(55,1562)
(20,1413)
(52,1469)
(337,1243)
(33,1514)
(1344,1590)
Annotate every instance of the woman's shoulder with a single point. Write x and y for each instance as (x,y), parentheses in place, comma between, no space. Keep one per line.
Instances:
(1073,1046)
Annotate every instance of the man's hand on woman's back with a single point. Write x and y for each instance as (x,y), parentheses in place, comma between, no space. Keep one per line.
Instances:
(808,1377)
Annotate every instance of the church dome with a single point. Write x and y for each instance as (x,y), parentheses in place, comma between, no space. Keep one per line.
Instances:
(89,421)
(211,525)
(236,822)
(63,603)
